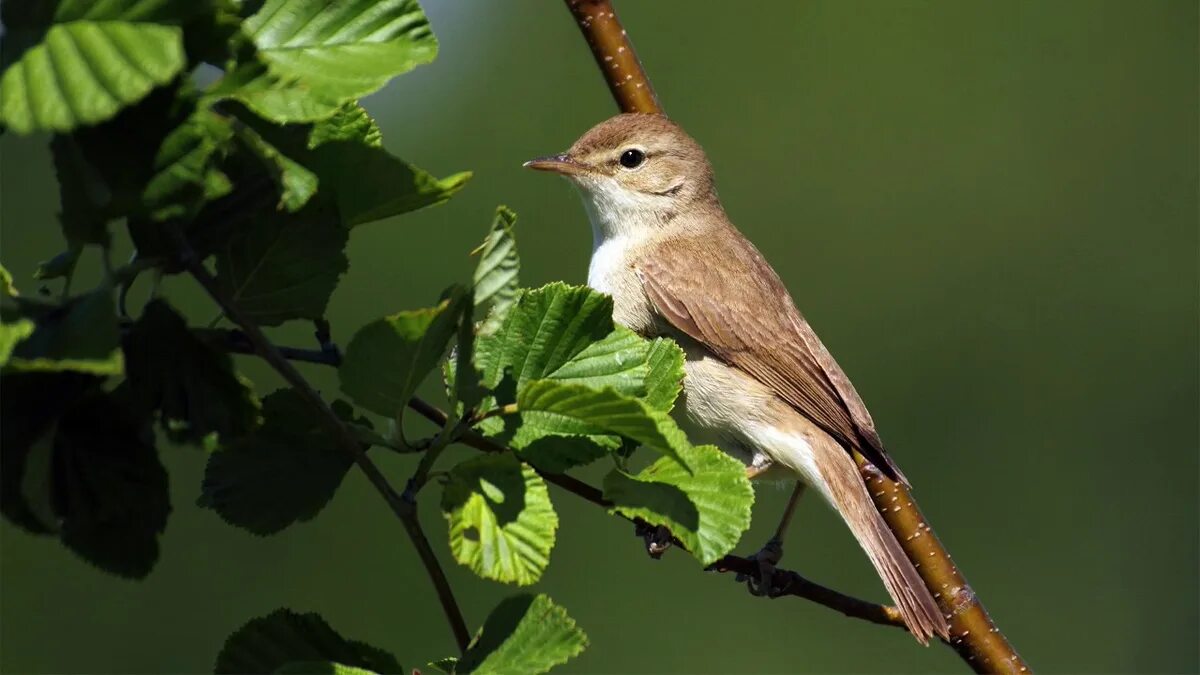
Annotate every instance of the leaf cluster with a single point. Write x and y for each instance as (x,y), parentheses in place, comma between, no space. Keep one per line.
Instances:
(258,179)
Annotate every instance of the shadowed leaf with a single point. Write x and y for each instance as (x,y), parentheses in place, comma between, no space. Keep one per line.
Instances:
(283,639)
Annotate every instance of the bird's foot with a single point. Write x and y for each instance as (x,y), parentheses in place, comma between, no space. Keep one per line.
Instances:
(763,583)
(657,538)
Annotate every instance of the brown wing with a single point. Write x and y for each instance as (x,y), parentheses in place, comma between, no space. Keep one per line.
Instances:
(754,325)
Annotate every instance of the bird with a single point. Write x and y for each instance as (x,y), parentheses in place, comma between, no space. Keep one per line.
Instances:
(757,380)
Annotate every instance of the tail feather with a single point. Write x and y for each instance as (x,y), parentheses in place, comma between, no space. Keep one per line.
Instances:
(845,489)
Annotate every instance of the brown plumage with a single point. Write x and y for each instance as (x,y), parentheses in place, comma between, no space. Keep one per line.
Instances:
(757,376)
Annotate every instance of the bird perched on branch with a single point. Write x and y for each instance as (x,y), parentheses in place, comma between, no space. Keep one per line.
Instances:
(758,381)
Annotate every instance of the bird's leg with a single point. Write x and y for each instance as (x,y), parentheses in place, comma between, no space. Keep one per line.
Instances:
(771,553)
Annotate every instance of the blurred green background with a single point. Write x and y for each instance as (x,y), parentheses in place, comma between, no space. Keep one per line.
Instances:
(987,210)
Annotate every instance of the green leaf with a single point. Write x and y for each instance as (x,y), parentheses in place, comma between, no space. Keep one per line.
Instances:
(351,122)
(88,61)
(322,668)
(495,279)
(664,378)
(185,168)
(284,266)
(556,453)
(109,490)
(707,510)
(370,183)
(547,328)
(12,333)
(296,183)
(81,335)
(6,284)
(192,384)
(501,521)
(524,634)
(388,358)
(315,55)
(285,472)
(30,408)
(270,643)
(565,409)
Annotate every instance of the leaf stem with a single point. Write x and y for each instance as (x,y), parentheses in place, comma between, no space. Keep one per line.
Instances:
(406,511)
(792,583)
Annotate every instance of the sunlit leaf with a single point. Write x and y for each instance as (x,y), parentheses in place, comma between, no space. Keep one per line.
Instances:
(524,634)
(81,335)
(313,56)
(707,509)
(502,524)
(496,273)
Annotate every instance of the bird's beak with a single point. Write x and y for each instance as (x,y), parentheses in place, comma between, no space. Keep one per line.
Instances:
(561,164)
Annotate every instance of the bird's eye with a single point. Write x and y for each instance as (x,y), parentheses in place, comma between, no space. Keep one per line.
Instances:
(632,158)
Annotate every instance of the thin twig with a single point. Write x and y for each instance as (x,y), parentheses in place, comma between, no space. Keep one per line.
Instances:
(973,634)
(405,510)
(791,583)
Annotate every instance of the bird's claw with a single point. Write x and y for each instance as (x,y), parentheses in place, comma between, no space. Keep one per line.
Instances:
(763,583)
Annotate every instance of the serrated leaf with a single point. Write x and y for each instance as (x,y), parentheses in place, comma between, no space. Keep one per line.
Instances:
(297,184)
(269,643)
(321,668)
(285,472)
(84,71)
(388,358)
(30,408)
(524,634)
(109,489)
(284,266)
(185,168)
(556,453)
(313,56)
(81,336)
(369,183)
(351,122)
(496,281)
(546,329)
(570,409)
(12,333)
(707,510)
(664,377)
(502,524)
(193,385)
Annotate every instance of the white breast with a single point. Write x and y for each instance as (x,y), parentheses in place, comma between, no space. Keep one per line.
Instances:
(608,257)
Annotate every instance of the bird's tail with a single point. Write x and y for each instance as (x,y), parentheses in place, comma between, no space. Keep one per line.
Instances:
(841,484)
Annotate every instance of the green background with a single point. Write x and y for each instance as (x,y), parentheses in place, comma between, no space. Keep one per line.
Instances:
(987,210)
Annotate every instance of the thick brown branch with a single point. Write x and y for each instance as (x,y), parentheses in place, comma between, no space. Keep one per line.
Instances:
(972,633)
(405,510)
(614,55)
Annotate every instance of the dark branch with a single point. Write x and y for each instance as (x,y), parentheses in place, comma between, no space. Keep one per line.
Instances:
(260,345)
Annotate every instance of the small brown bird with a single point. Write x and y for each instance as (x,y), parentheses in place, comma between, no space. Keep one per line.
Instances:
(758,381)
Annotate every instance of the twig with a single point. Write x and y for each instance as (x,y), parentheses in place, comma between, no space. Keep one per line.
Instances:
(790,582)
(614,55)
(972,633)
(406,511)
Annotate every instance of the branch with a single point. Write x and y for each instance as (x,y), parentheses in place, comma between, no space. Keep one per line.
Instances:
(791,583)
(405,510)
(972,633)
